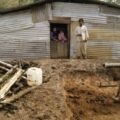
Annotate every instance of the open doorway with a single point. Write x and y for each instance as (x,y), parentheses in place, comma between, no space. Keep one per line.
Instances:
(59,40)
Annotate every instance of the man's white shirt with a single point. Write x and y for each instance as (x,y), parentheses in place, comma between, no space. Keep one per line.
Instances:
(82,31)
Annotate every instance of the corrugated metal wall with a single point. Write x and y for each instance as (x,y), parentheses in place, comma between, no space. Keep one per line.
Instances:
(41,13)
(15,21)
(20,38)
(75,11)
(103,24)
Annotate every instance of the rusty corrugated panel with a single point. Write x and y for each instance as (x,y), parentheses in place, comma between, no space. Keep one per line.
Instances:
(41,2)
(32,43)
(104,49)
(99,49)
(15,21)
(109,11)
(41,13)
(89,12)
(116,49)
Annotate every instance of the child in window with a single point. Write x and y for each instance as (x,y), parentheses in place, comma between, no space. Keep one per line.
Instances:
(54,34)
(62,37)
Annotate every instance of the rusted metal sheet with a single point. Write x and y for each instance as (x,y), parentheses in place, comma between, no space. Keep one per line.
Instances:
(109,11)
(15,21)
(99,49)
(104,49)
(32,43)
(89,12)
(40,31)
(41,13)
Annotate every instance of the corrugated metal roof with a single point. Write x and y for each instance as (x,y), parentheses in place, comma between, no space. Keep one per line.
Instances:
(40,2)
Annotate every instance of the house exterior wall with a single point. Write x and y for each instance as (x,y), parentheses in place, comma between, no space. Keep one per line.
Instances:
(103,25)
(41,13)
(22,38)
(26,34)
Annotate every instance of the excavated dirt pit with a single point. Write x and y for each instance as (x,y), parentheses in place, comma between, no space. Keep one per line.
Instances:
(70,91)
(87,101)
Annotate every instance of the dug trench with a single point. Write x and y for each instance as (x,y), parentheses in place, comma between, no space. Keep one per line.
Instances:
(88,101)
(71,90)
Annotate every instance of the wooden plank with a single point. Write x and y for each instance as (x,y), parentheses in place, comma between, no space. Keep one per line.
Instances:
(18,95)
(8,72)
(6,64)
(4,68)
(10,82)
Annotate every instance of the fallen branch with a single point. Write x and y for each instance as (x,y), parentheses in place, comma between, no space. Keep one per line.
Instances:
(10,82)
(18,95)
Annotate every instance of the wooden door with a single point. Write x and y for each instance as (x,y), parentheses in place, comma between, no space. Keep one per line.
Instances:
(59,49)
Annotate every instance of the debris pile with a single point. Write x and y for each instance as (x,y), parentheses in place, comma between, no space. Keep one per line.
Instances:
(13,83)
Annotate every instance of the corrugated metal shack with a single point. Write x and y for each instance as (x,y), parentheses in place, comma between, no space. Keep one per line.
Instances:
(25,32)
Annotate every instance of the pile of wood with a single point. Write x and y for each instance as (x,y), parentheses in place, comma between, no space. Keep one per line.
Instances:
(13,83)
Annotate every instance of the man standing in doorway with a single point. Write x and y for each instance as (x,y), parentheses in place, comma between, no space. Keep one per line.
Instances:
(82,36)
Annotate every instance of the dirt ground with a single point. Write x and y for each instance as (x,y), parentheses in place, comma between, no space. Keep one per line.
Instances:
(70,91)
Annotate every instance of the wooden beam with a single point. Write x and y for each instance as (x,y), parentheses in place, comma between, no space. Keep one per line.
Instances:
(10,82)
(112,64)
(4,68)
(108,84)
(9,72)
(18,95)
(6,64)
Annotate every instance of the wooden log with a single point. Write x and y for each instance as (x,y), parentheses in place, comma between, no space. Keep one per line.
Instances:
(6,64)
(10,82)
(108,84)
(18,95)
(9,72)
(112,64)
